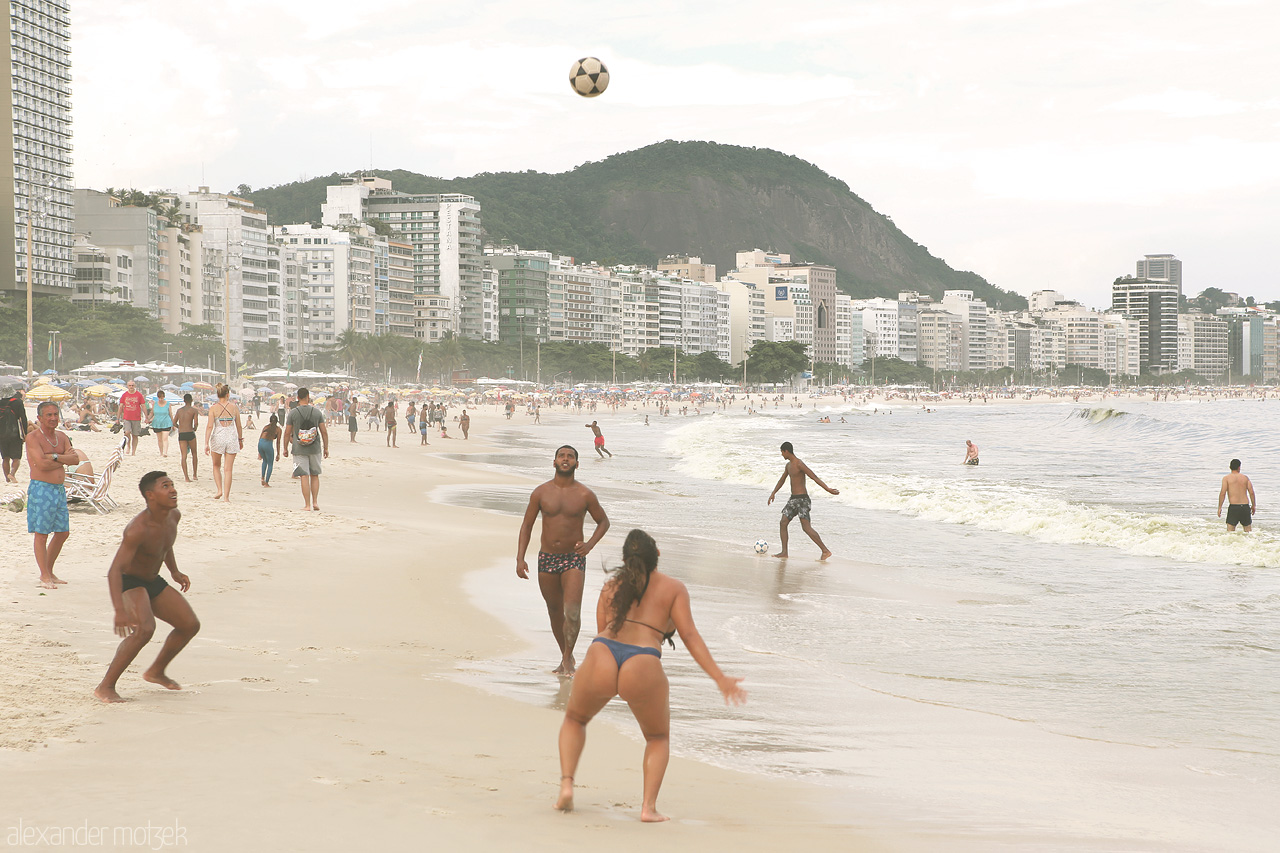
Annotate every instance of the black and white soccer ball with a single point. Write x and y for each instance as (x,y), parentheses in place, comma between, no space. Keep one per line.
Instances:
(589,77)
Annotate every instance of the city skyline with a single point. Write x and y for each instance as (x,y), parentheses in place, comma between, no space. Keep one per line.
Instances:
(998,134)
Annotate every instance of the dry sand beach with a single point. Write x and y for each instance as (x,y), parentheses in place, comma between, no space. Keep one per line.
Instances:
(319,708)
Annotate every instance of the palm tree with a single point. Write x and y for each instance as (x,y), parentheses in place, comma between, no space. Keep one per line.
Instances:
(267,355)
(348,348)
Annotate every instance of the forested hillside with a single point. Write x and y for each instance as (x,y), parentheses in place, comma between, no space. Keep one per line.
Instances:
(699,198)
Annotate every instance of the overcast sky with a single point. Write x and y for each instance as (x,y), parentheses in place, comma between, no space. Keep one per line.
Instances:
(1040,143)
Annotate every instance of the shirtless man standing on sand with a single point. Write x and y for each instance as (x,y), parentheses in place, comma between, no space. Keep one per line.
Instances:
(1243,502)
(139,594)
(799,503)
(188,420)
(562,555)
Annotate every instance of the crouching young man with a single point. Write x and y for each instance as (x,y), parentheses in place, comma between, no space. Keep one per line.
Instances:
(138,593)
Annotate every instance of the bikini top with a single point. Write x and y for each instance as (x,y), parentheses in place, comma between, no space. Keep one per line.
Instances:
(666,635)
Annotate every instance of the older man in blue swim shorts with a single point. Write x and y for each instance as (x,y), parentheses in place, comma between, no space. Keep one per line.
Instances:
(49,451)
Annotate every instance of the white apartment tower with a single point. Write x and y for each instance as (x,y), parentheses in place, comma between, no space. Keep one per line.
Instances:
(37,174)
(442,228)
(249,265)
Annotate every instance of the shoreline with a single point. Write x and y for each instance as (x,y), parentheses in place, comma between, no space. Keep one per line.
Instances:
(298,704)
(332,677)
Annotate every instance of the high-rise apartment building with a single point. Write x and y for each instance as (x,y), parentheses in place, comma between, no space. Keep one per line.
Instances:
(1154,304)
(1161,268)
(106,223)
(524,304)
(337,271)
(103,274)
(760,266)
(249,264)
(442,228)
(400,288)
(1203,345)
(973,349)
(36,176)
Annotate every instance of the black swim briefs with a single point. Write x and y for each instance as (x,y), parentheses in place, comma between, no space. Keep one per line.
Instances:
(154,587)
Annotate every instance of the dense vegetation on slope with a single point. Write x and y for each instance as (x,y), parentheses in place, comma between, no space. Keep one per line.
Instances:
(699,198)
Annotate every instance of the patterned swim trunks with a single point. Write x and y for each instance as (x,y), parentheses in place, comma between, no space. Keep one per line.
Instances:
(798,505)
(47,508)
(555,564)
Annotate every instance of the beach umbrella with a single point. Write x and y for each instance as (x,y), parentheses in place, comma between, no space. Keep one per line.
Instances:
(50,393)
(141,379)
(99,390)
(50,372)
(85,383)
(116,381)
(203,386)
(9,384)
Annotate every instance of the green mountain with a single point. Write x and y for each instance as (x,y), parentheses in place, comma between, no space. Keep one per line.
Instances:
(696,198)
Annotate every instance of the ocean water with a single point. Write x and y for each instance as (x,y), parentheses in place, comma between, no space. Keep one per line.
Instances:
(1061,648)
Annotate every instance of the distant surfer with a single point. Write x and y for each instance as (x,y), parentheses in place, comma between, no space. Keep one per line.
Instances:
(799,503)
(1243,503)
(970,453)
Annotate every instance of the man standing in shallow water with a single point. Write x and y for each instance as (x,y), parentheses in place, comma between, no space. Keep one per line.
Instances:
(1243,502)
(139,594)
(799,503)
(562,555)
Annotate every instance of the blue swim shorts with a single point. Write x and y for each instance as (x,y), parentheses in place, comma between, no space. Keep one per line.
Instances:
(47,508)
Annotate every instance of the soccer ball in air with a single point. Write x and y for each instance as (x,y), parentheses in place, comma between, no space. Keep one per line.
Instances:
(589,77)
(762,547)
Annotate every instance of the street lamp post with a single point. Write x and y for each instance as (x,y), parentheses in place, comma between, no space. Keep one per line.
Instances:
(53,348)
(226,301)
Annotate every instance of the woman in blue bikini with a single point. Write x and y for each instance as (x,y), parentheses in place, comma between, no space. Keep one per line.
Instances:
(639,607)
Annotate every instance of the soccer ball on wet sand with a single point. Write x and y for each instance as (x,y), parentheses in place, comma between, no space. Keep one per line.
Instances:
(762,547)
(589,77)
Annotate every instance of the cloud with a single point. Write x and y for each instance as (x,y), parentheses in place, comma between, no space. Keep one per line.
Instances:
(943,114)
(1181,104)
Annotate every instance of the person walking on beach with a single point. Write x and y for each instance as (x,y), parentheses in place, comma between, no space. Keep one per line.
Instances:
(305,426)
(799,503)
(1242,502)
(562,555)
(13,430)
(389,415)
(160,417)
(131,403)
(601,450)
(223,439)
(464,422)
(353,422)
(49,451)
(188,419)
(970,453)
(639,607)
(269,449)
(139,594)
